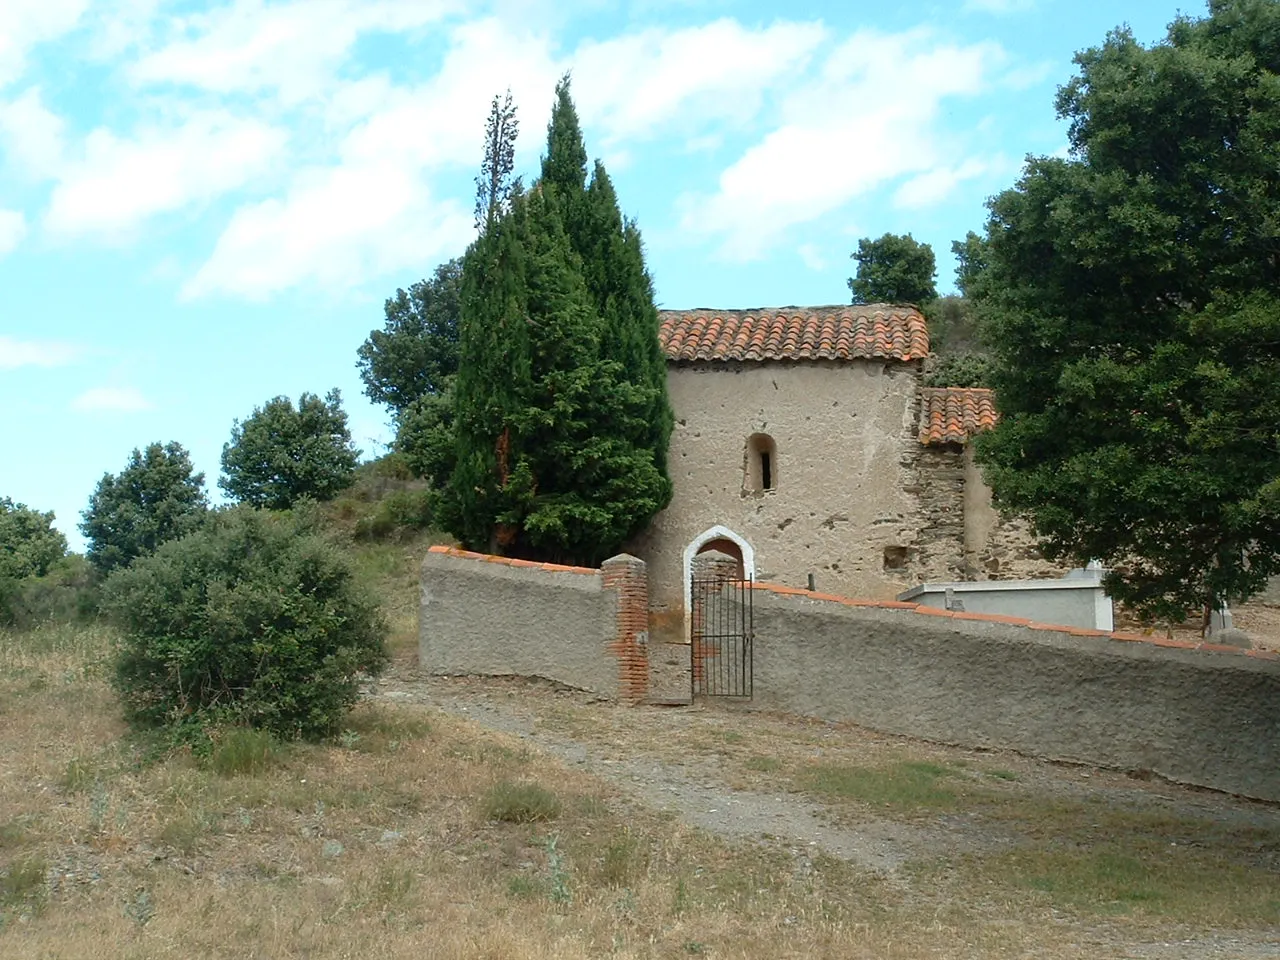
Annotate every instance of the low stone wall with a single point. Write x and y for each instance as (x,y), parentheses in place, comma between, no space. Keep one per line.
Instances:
(495,616)
(1194,713)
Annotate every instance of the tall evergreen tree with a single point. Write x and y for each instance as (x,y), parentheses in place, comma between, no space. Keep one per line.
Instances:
(581,482)
(556,436)
(612,260)
(493,348)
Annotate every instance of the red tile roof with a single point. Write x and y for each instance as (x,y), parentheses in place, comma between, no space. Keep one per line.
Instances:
(954,414)
(870,332)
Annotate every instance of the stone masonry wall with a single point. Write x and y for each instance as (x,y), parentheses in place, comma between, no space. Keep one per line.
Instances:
(839,499)
(996,547)
(937,550)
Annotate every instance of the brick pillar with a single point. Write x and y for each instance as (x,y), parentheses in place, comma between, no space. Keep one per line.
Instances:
(626,576)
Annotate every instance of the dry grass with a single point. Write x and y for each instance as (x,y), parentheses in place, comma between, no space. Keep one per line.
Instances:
(385,842)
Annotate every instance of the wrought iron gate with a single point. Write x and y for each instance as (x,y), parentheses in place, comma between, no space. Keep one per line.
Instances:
(721,638)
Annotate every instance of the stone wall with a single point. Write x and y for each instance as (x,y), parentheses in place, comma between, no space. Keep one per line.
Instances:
(937,548)
(1205,715)
(996,547)
(493,616)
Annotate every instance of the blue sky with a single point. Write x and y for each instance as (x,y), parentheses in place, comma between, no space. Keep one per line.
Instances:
(203,206)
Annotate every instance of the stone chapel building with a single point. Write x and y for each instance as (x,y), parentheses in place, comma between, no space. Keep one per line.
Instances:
(805,444)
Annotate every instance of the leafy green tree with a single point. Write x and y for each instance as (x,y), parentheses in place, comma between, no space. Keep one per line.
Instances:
(255,619)
(971,260)
(426,435)
(416,352)
(280,454)
(555,453)
(894,269)
(1131,298)
(157,497)
(961,370)
(29,544)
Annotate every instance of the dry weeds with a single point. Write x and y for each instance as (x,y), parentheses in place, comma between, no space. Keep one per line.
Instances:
(379,844)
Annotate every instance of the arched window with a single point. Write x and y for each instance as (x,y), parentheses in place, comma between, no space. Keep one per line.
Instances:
(761,468)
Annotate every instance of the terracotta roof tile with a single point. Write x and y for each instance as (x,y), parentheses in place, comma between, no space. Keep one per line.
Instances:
(870,332)
(954,414)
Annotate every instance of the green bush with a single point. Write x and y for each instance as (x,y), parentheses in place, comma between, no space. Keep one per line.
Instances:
(68,593)
(402,511)
(254,620)
(961,370)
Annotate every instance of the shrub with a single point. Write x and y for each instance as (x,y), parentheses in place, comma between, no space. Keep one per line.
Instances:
(253,620)
(400,512)
(961,370)
(68,593)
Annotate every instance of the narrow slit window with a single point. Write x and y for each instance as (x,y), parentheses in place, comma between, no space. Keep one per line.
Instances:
(760,473)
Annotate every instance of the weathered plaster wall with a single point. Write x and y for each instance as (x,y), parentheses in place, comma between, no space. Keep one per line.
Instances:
(843,485)
(996,548)
(518,619)
(1210,718)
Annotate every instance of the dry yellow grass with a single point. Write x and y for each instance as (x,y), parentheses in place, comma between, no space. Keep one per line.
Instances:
(379,844)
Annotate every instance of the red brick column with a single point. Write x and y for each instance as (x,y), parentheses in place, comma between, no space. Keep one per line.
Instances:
(626,576)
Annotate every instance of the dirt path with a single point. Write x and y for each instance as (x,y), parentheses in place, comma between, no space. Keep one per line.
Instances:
(698,796)
(689,762)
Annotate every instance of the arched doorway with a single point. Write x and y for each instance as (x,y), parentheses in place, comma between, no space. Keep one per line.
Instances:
(718,568)
(722,540)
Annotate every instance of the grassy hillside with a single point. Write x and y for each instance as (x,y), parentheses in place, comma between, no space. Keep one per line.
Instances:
(414,833)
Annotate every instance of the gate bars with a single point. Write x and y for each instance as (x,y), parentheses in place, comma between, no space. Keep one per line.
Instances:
(722,637)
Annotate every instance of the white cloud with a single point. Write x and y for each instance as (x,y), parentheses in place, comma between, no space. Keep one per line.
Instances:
(13,227)
(442,121)
(633,86)
(870,117)
(335,228)
(36,353)
(811,255)
(120,182)
(292,49)
(32,135)
(373,212)
(936,185)
(26,23)
(111,400)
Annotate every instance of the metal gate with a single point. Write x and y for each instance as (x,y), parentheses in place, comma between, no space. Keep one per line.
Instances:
(721,638)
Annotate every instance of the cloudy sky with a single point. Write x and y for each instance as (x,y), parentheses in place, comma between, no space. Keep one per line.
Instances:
(203,206)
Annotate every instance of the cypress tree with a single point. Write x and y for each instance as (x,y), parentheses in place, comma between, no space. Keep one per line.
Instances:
(493,348)
(588,487)
(612,260)
(561,434)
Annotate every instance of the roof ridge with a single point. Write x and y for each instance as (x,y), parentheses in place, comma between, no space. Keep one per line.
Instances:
(795,306)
